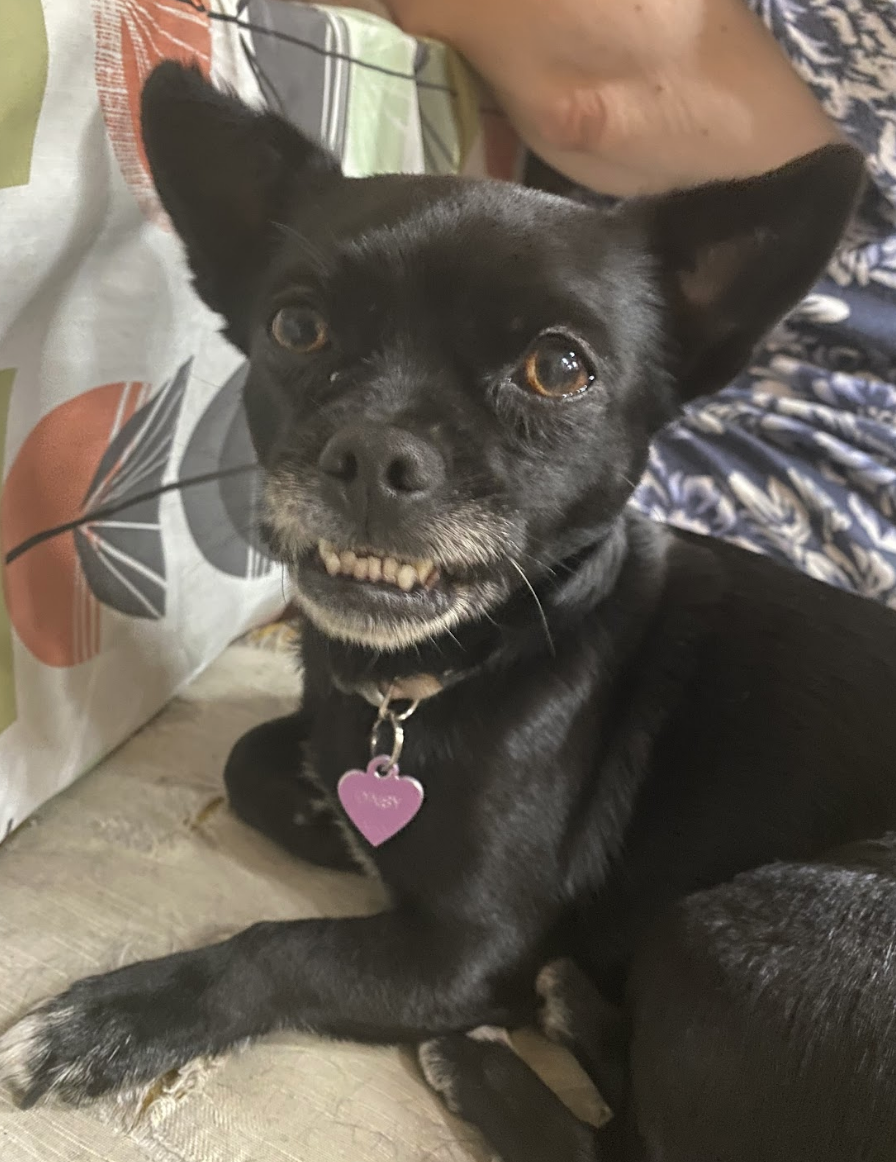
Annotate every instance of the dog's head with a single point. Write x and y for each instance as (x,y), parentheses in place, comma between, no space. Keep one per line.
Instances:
(453,384)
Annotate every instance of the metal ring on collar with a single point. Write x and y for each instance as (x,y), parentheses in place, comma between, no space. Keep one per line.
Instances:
(394,721)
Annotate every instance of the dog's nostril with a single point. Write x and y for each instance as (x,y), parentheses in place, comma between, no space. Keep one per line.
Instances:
(404,474)
(339,462)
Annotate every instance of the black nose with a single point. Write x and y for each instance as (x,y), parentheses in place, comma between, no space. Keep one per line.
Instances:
(377,467)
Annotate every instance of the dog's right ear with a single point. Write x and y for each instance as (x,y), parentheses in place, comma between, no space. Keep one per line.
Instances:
(224,173)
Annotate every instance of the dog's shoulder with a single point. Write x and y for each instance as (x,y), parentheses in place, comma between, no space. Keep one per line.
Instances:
(754,594)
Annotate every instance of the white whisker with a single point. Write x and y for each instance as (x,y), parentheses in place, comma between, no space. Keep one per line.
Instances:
(541,612)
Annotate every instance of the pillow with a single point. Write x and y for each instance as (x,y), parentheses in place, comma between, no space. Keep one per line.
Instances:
(129,484)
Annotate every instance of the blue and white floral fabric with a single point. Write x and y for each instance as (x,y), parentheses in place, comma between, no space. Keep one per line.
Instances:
(797,459)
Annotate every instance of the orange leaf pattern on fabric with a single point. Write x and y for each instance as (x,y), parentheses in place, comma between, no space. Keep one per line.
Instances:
(79,518)
(132,37)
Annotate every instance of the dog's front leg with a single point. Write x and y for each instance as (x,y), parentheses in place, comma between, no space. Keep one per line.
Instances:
(389,977)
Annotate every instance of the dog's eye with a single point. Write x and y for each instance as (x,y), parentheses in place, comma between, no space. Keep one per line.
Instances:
(555,366)
(299,329)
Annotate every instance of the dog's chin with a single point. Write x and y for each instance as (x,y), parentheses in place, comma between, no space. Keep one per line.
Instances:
(384,615)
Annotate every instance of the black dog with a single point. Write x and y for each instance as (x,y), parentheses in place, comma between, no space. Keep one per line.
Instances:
(759,1028)
(453,387)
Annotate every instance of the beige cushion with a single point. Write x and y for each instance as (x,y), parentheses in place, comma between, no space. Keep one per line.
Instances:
(142,857)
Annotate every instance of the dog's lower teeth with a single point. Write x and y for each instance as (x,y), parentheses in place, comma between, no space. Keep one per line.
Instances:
(374,569)
(390,570)
(362,569)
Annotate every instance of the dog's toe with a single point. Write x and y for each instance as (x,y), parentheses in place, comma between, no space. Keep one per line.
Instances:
(440,1070)
(491,1033)
(552,985)
(28,1068)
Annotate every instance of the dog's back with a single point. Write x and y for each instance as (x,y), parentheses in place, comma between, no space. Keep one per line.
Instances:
(765,1013)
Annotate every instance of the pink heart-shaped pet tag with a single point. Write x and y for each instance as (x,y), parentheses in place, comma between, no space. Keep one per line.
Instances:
(379,801)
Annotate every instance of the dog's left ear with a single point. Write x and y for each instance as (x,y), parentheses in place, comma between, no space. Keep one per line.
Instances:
(735,256)
(225,173)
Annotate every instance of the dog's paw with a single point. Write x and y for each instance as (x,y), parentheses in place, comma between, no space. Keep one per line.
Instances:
(50,1051)
(439,1070)
(104,1033)
(20,1054)
(480,1078)
(451,1063)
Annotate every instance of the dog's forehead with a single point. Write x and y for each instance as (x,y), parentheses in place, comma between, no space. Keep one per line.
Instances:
(392,223)
(495,214)
(424,243)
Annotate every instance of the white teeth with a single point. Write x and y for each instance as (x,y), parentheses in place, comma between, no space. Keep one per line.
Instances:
(407,578)
(405,575)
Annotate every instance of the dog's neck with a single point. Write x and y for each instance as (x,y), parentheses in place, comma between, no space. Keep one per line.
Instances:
(530,622)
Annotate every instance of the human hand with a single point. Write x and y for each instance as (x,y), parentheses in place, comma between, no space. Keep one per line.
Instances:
(630,96)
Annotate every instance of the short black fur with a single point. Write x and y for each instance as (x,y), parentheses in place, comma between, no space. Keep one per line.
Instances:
(630,715)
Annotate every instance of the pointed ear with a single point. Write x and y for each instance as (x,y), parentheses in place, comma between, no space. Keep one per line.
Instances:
(735,256)
(224,173)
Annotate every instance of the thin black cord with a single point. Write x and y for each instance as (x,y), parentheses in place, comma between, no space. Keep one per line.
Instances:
(264,81)
(430,134)
(99,514)
(229,18)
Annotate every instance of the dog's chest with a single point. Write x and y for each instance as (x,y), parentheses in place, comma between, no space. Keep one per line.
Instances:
(428,847)
(500,773)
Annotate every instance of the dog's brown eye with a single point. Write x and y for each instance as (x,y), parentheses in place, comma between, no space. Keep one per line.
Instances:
(555,367)
(299,329)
